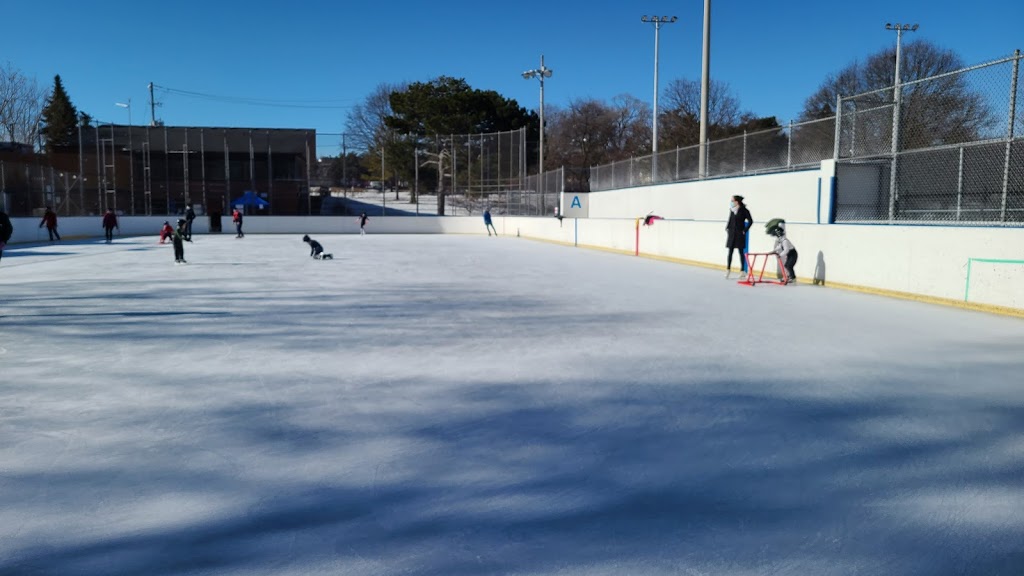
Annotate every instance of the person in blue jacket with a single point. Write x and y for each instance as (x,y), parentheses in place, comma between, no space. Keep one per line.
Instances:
(488,223)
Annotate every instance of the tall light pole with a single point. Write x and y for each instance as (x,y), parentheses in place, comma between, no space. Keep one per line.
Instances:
(896,101)
(540,73)
(705,92)
(657,21)
(131,156)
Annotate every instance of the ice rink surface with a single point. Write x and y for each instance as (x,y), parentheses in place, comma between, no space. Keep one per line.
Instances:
(456,405)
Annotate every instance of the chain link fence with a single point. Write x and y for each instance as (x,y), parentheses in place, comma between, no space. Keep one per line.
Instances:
(944,149)
(796,146)
(449,175)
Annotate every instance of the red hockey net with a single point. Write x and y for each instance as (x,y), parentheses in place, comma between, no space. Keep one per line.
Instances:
(757,262)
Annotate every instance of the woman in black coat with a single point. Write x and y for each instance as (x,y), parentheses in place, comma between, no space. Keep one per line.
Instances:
(739,221)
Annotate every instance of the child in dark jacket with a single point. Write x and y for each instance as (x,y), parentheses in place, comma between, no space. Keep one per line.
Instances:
(316,250)
(178,238)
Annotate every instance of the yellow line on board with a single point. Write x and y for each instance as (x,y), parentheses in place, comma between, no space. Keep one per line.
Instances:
(950,302)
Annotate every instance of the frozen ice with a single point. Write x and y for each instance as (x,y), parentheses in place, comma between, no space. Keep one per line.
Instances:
(450,405)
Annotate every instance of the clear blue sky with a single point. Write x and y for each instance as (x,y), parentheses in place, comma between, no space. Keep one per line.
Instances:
(772,54)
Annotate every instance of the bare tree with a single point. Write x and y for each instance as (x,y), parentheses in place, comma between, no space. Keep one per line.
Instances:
(365,122)
(934,111)
(580,136)
(680,121)
(631,128)
(21,105)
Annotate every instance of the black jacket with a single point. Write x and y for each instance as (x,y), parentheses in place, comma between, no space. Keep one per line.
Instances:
(737,228)
(6,228)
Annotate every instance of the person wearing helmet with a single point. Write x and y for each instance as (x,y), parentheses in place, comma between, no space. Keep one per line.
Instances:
(166,231)
(179,241)
(783,247)
(316,250)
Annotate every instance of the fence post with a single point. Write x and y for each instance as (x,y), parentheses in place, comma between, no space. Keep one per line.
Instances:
(744,150)
(839,126)
(630,171)
(789,146)
(1009,132)
(959,184)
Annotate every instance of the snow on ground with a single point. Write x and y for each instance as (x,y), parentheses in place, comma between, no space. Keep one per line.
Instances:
(456,405)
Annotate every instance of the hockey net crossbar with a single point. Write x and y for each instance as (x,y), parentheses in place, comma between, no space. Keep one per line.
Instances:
(755,276)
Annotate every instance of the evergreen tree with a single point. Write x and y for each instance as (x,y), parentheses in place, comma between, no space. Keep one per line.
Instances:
(60,118)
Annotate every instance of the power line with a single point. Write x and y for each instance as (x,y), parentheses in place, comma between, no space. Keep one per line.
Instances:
(271,103)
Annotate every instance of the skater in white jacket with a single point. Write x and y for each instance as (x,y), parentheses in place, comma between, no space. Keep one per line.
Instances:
(783,247)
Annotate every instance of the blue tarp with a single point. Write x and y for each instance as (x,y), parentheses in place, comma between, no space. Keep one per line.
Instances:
(249,198)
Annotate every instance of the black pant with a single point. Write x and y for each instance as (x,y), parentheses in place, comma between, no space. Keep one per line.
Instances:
(743,259)
(790,263)
(110,234)
(238,229)
(53,232)
(188,230)
(179,250)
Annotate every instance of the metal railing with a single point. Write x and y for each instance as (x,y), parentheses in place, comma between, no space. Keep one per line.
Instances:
(796,146)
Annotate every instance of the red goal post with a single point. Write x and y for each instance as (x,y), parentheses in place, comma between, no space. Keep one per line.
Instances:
(757,277)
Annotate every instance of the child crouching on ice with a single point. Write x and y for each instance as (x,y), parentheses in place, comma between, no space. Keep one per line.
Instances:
(166,232)
(783,247)
(316,250)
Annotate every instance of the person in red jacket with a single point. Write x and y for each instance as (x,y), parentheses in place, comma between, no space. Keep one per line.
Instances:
(109,223)
(166,231)
(50,221)
(236,217)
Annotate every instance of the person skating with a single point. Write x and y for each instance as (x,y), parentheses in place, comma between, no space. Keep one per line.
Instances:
(363,219)
(316,250)
(166,231)
(178,239)
(488,223)
(50,221)
(109,223)
(739,221)
(783,247)
(236,217)
(190,215)
(6,231)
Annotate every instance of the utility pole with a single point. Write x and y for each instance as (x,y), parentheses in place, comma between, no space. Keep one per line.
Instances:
(152,106)
(897,97)
(539,73)
(705,91)
(657,21)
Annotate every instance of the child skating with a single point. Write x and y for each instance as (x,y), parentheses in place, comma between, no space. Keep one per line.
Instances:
(178,239)
(783,247)
(316,251)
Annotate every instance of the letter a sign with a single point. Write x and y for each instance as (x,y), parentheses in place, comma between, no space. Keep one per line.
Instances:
(576,205)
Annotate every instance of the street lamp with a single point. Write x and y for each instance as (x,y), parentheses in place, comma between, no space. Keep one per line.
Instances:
(897,98)
(657,21)
(540,73)
(131,156)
